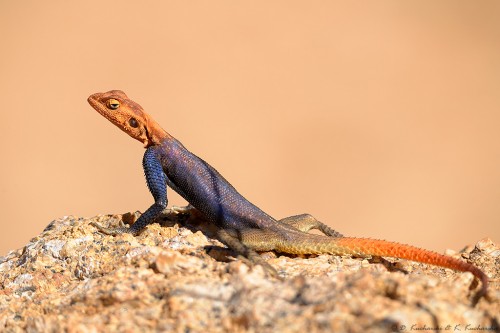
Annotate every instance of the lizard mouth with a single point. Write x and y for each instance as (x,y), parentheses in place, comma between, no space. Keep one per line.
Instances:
(94,102)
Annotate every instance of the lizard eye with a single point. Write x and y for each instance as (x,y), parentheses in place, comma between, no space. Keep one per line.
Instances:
(132,122)
(113,104)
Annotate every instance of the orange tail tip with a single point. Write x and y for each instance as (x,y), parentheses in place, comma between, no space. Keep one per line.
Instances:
(381,248)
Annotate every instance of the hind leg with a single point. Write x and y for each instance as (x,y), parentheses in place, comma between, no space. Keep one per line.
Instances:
(252,240)
(306,222)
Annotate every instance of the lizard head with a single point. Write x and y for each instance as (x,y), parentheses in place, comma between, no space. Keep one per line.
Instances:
(127,115)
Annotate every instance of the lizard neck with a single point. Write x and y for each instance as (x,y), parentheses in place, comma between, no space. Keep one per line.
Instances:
(155,133)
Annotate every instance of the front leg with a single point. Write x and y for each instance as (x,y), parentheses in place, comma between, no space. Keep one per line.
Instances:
(156,181)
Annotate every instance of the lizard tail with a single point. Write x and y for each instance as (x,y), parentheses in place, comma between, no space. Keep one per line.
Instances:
(374,247)
(383,248)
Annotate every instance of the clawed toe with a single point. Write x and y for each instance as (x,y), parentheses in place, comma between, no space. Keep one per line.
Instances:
(110,231)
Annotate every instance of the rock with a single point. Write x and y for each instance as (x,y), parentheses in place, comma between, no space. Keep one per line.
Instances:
(173,278)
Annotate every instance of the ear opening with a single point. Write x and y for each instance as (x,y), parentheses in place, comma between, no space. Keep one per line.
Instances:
(148,140)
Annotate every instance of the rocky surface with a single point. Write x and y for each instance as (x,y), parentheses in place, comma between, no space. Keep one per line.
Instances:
(173,278)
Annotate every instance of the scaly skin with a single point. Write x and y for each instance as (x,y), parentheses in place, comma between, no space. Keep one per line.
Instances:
(239,224)
(360,247)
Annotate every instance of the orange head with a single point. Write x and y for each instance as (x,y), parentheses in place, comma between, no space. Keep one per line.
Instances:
(129,116)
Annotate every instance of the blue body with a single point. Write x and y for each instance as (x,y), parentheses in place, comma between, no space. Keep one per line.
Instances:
(170,163)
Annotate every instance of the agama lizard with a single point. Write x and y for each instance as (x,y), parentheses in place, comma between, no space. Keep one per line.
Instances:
(240,225)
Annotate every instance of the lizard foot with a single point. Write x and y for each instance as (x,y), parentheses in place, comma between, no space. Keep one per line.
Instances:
(188,211)
(270,271)
(179,214)
(112,231)
(182,209)
(253,261)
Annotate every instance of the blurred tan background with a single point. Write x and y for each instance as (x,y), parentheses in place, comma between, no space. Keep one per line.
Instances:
(381,119)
